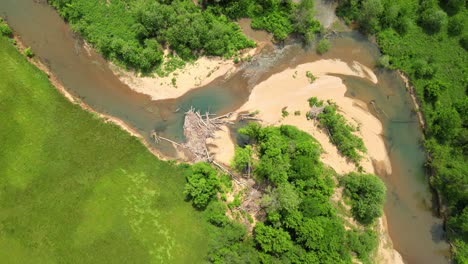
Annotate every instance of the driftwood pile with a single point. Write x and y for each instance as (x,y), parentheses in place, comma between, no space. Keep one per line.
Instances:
(198,129)
(315,111)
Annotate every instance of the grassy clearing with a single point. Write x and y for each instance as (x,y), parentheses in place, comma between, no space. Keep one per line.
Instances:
(74,189)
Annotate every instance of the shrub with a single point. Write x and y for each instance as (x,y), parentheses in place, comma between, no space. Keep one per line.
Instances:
(384,62)
(5,30)
(28,52)
(323,46)
(311,77)
(314,101)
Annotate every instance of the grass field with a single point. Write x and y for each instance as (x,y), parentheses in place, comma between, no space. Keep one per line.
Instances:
(74,189)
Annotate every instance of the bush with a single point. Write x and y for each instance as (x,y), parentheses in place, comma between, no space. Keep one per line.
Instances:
(28,52)
(311,77)
(384,62)
(367,194)
(5,30)
(323,46)
(314,101)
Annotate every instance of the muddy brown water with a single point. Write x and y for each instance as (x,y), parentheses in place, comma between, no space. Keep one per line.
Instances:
(416,233)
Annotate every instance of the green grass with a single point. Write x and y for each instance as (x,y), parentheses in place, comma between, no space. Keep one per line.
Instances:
(74,189)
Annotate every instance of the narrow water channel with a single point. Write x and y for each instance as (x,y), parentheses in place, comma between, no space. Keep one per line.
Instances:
(416,233)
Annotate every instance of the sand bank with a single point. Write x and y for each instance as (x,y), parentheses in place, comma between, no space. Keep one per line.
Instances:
(291,89)
(222,145)
(193,75)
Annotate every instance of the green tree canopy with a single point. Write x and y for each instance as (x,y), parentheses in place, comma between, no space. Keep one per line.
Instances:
(367,193)
(202,184)
(272,240)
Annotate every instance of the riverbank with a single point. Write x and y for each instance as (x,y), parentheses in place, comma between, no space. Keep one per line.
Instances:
(294,88)
(193,75)
(62,90)
(76,189)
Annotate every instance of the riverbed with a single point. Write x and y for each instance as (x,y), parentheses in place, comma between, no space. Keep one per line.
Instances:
(416,233)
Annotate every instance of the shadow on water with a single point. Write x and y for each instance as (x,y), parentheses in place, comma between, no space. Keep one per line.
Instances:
(416,233)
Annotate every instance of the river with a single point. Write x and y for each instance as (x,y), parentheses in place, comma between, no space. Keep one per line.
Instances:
(416,233)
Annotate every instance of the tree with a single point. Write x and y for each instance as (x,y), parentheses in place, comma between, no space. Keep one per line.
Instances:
(272,240)
(458,225)
(363,243)
(433,19)
(422,69)
(284,197)
(326,237)
(370,15)
(202,185)
(367,193)
(452,7)
(464,41)
(274,168)
(456,25)
(433,90)
(242,160)
(303,20)
(446,125)
(216,214)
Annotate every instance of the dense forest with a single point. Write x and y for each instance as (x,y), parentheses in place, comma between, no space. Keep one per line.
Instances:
(298,221)
(428,40)
(135,33)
